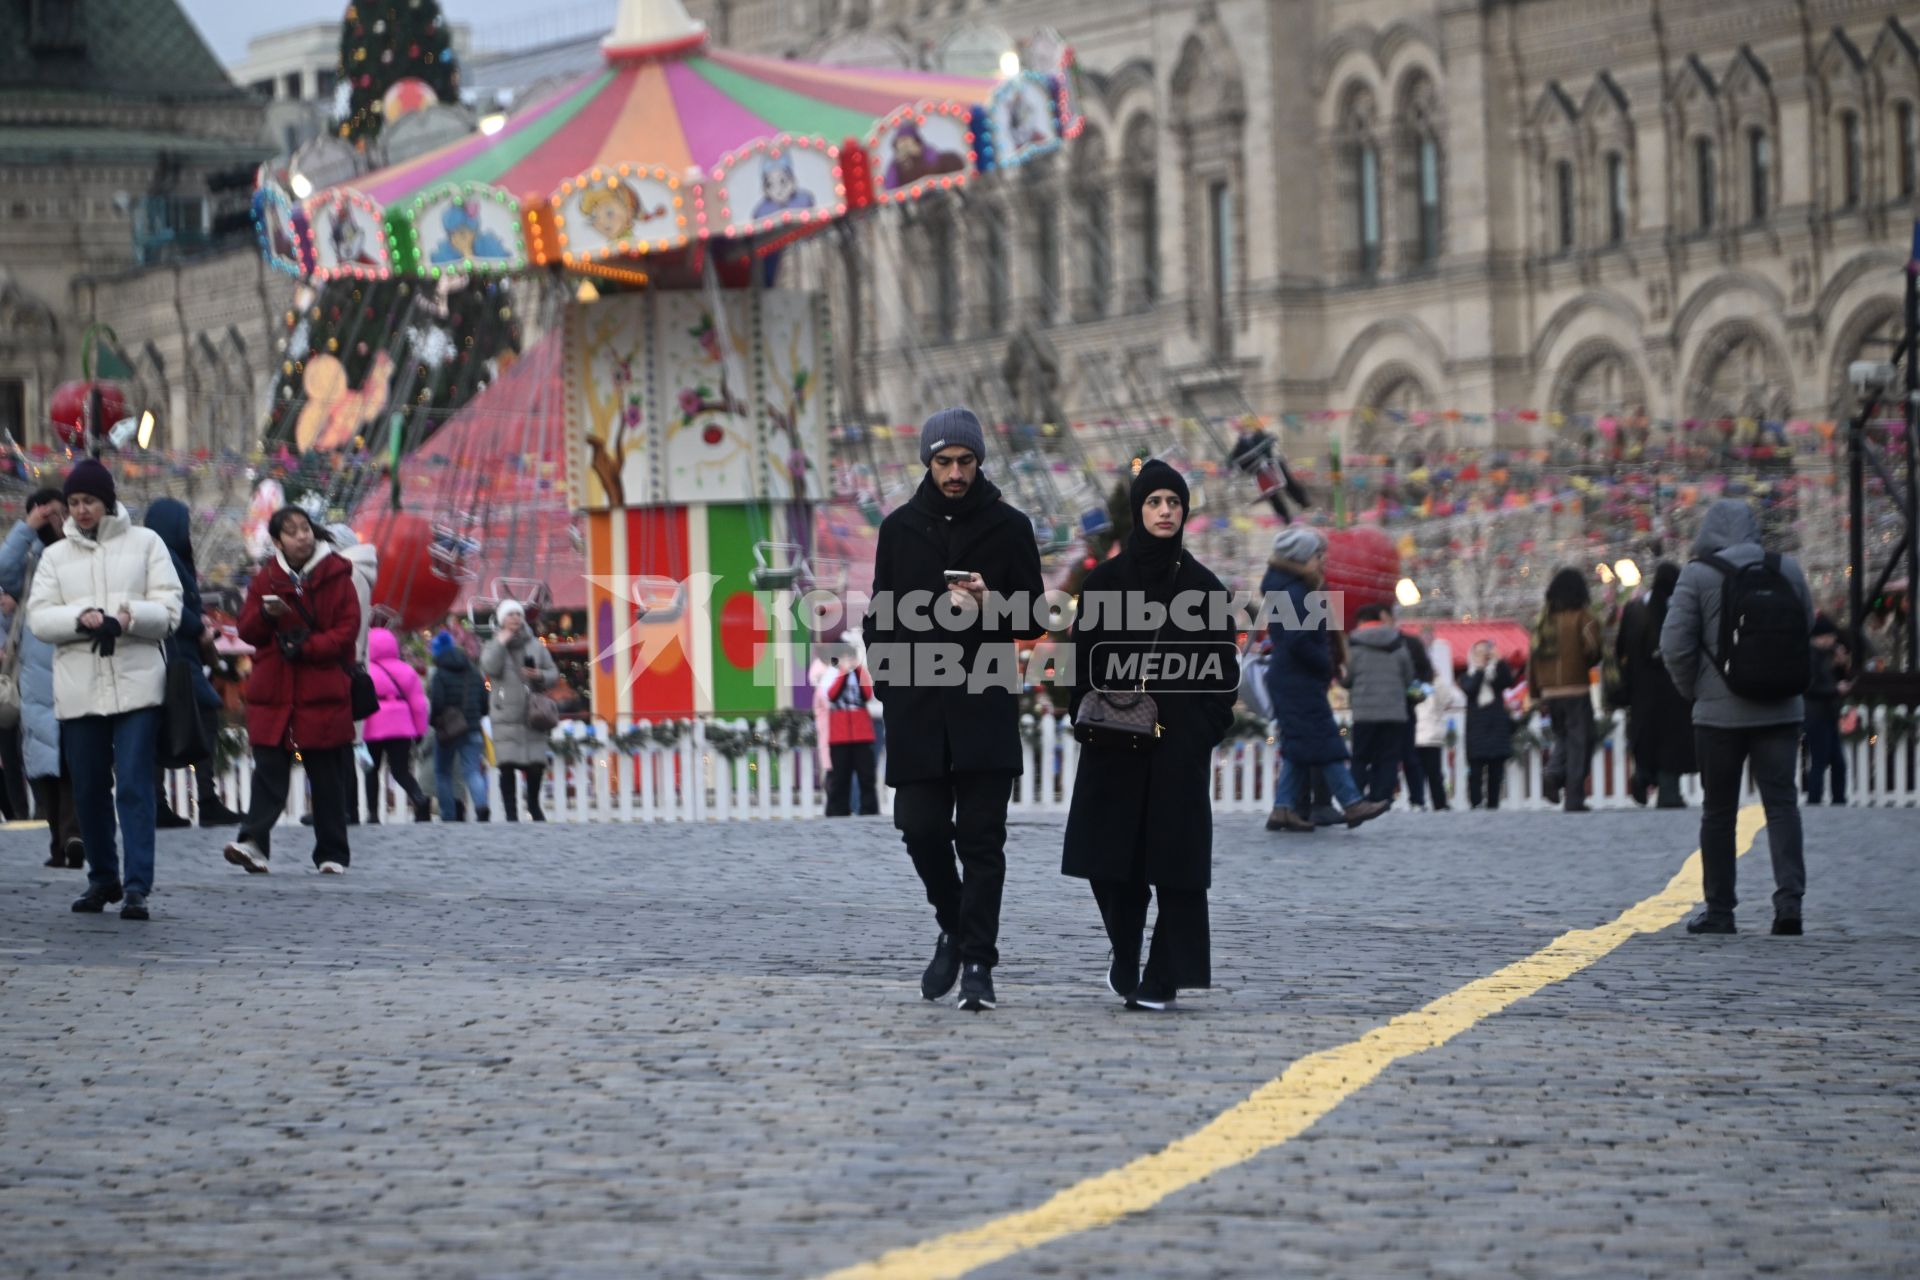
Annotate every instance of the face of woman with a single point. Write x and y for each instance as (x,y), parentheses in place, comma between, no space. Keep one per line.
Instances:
(296,541)
(87,511)
(1162,512)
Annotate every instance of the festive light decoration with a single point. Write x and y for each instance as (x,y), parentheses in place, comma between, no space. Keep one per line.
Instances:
(925,147)
(610,207)
(346,237)
(778,184)
(406,96)
(393,57)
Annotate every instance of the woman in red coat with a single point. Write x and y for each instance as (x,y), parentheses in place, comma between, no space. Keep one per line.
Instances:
(302,616)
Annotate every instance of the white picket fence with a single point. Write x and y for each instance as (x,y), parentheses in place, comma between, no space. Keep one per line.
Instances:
(692,782)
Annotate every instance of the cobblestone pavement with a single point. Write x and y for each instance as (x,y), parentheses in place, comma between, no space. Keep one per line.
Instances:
(700,1051)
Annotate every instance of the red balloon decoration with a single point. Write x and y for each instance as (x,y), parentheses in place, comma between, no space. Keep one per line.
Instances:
(67,411)
(411,582)
(1364,565)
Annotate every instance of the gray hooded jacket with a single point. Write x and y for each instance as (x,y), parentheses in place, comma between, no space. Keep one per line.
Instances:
(1379,669)
(1693,622)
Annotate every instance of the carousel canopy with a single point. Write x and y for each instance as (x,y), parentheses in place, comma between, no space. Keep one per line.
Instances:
(670,144)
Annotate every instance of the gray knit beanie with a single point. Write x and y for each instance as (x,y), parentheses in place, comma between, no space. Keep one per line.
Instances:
(1298,542)
(952,429)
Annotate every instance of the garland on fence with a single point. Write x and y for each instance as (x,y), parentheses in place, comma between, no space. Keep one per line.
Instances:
(785,731)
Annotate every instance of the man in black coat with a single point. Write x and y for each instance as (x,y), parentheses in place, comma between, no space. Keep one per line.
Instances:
(956,581)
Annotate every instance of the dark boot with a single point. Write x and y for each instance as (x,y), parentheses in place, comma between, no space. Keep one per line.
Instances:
(459,812)
(535,776)
(481,815)
(509,794)
(423,810)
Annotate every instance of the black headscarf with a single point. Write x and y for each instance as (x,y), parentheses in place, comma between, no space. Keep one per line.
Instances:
(1665,578)
(1153,558)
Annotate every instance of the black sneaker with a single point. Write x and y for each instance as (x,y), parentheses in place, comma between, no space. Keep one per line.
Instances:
(1550,791)
(94,900)
(76,854)
(1152,996)
(942,971)
(1704,923)
(1786,926)
(135,907)
(168,820)
(976,988)
(1122,976)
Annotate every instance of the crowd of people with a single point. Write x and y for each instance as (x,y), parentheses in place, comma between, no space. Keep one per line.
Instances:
(108,650)
(1722,666)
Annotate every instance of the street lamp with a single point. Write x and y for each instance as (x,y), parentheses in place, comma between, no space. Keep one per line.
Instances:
(300,186)
(1628,572)
(1406,593)
(494,123)
(1009,64)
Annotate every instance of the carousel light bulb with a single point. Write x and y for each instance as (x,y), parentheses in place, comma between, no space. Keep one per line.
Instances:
(1010,63)
(301,186)
(1406,593)
(492,124)
(1628,572)
(586,292)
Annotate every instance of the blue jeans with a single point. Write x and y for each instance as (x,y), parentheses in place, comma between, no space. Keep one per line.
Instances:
(99,749)
(1290,790)
(471,754)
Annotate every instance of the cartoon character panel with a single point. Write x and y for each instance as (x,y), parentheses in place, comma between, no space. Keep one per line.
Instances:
(348,238)
(468,230)
(622,213)
(781,184)
(273,213)
(919,146)
(1024,122)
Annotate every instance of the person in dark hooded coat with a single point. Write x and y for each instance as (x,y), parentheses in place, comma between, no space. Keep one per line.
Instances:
(1302,671)
(1659,720)
(170,518)
(1142,818)
(953,745)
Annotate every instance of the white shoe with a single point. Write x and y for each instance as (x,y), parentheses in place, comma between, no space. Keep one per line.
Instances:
(332,869)
(247,856)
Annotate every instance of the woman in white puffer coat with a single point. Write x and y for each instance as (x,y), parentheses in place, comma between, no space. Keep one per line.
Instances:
(106,597)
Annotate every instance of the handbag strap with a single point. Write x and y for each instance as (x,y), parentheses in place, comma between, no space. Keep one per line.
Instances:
(1155,646)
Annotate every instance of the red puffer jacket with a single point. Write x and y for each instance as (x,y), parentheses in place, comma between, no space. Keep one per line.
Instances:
(848,721)
(307,702)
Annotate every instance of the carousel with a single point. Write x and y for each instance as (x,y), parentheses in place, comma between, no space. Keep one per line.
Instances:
(667,427)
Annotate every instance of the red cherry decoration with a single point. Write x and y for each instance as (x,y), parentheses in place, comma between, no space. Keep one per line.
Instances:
(713,435)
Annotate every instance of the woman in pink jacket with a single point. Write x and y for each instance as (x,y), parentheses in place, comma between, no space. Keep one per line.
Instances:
(400,722)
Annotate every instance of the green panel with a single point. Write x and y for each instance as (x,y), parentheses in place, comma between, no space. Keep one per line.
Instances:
(787,111)
(732,531)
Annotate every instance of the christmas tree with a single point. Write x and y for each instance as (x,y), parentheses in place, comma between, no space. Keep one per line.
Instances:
(383,42)
(355,352)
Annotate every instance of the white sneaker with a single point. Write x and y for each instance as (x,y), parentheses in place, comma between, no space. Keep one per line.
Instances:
(332,869)
(247,856)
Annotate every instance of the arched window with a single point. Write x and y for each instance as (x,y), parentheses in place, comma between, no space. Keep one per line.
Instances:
(1429,179)
(1566,206)
(1852,159)
(1366,209)
(1706,178)
(1090,228)
(1906,136)
(1617,215)
(1096,224)
(1140,212)
(1759,174)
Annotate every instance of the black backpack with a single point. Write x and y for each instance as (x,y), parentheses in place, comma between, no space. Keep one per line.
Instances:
(1766,651)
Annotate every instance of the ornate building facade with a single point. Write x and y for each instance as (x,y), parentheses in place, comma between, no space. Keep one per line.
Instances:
(1695,208)
(126,167)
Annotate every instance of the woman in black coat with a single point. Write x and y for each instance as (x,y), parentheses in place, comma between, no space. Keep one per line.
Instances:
(1142,818)
(1659,719)
(1489,727)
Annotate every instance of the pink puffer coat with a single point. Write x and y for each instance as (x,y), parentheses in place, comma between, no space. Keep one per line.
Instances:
(403,703)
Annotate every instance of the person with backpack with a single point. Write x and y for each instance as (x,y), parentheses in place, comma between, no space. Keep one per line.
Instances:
(1566,645)
(1737,641)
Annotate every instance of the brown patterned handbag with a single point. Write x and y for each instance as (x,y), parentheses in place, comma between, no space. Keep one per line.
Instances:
(1129,719)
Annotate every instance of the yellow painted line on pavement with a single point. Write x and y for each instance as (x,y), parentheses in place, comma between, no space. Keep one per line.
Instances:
(1287,1106)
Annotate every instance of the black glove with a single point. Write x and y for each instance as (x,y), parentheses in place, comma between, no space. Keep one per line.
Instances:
(290,643)
(105,634)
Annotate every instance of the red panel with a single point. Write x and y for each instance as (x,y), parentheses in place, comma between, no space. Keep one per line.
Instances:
(657,548)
